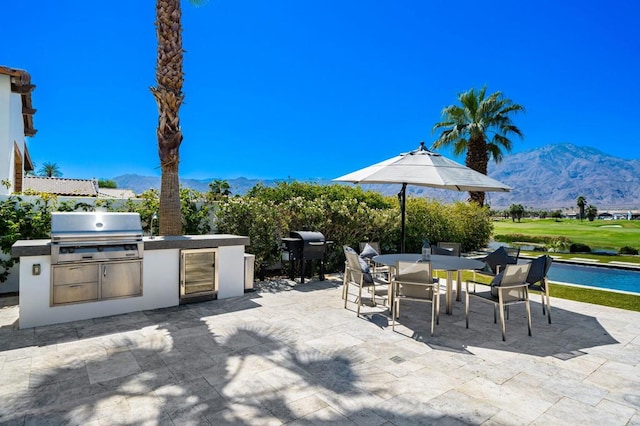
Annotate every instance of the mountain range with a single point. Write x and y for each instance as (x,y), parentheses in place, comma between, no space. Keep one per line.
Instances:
(550,177)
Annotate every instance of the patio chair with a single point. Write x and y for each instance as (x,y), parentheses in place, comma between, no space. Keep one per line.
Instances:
(415,281)
(452,249)
(508,288)
(357,273)
(537,280)
(494,263)
(369,249)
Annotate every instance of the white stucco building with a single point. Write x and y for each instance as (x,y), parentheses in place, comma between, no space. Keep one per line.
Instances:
(16,124)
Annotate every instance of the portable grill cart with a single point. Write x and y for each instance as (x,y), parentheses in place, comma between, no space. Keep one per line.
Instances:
(302,247)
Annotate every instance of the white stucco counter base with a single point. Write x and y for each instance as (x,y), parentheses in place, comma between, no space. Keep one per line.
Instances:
(160,279)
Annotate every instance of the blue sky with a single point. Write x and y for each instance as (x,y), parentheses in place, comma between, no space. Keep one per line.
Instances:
(316,89)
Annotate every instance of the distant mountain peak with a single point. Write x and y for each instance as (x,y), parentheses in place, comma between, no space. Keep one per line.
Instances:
(549,177)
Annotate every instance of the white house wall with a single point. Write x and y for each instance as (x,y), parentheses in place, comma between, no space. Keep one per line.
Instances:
(11,130)
(6,144)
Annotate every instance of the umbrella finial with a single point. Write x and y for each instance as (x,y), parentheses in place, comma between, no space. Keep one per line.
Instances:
(422,148)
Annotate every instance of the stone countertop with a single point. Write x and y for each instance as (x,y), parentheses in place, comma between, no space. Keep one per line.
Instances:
(43,247)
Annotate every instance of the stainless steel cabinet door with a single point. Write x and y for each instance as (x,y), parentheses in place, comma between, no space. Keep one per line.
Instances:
(121,279)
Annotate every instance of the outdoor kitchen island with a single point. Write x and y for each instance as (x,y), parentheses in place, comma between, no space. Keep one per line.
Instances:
(159,286)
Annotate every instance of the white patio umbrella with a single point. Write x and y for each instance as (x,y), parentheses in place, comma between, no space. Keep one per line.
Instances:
(423,168)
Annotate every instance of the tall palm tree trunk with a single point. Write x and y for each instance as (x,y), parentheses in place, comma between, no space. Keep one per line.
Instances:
(169,96)
(477,159)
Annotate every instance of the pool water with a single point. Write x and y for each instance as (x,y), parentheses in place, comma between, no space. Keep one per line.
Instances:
(596,276)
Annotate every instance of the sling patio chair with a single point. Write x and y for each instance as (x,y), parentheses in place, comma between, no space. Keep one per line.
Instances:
(357,273)
(414,281)
(508,288)
(495,262)
(452,249)
(537,280)
(369,249)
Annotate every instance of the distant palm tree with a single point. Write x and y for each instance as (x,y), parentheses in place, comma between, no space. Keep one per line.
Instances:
(479,126)
(591,212)
(50,170)
(581,202)
(169,96)
(219,189)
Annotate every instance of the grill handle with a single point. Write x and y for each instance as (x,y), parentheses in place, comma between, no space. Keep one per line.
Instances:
(316,243)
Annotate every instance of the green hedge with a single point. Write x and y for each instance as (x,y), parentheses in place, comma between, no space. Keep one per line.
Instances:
(345,214)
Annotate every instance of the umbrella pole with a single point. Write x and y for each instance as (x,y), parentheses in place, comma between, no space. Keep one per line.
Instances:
(403,194)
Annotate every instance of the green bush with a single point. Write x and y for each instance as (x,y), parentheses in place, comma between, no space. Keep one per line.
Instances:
(345,222)
(344,217)
(22,220)
(284,191)
(551,243)
(579,248)
(628,250)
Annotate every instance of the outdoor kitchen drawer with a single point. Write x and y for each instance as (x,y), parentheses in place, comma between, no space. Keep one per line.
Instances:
(74,293)
(74,274)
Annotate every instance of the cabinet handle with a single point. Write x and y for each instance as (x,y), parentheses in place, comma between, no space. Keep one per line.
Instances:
(76,286)
(104,271)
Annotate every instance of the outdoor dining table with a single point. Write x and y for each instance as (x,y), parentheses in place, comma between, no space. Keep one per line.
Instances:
(439,262)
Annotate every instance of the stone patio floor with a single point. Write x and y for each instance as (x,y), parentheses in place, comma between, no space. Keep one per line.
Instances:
(291,354)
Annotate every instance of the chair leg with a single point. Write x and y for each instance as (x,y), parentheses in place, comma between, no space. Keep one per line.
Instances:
(359,300)
(433,315)
(528,315)
(345,293)
(438,308)
(458,286)
(503,326)
(466,306)
(548,297)
(373,296)
(393,315)
(344,284)
(548,307)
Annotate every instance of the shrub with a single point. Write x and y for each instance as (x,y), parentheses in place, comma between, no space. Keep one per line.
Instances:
(22,220)
(284,191)
(579,248)
(628,250)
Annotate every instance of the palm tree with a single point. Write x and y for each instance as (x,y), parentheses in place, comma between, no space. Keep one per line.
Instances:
(169,96)
(591,212)
(481,126)
(581,202)
(219,189)
(50,170)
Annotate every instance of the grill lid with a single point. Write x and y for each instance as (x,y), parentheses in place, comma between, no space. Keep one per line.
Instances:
(73,227)
(308,236)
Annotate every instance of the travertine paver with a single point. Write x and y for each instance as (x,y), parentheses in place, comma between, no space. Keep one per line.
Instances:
(291,354)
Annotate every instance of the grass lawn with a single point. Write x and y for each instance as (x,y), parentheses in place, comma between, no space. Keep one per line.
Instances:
(599,234)
(596,296)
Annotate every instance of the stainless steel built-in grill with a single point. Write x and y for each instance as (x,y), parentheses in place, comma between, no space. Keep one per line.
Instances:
(95,256)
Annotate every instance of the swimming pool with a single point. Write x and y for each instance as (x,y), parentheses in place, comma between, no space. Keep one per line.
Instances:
(596,276)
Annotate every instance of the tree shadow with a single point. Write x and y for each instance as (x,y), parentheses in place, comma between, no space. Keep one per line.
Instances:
(569,335)
(186,364)
(227,362)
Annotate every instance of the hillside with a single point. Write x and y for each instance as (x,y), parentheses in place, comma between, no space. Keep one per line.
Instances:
(550,177)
